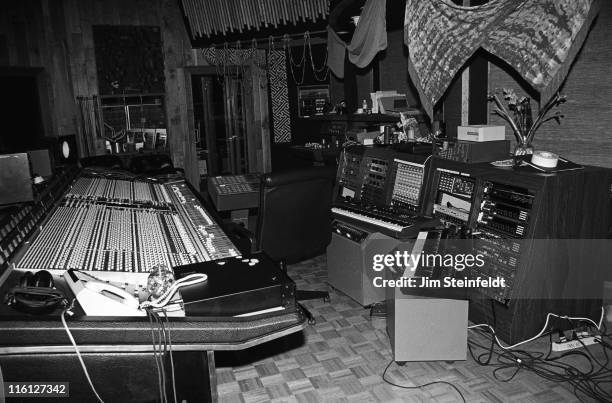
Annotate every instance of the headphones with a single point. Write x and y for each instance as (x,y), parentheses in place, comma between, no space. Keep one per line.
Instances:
(35,293)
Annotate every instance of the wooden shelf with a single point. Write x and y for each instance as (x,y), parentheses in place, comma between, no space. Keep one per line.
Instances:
(364,117)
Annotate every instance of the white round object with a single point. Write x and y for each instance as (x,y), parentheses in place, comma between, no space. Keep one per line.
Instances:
(544,159)
(65,149)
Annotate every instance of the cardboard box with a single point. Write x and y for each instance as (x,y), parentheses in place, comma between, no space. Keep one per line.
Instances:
(481,133)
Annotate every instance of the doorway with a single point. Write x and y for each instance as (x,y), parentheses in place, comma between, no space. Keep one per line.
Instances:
(21,114)
(228,121)
(220,124)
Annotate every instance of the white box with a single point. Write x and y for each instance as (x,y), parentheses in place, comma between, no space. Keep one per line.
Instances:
(481,133)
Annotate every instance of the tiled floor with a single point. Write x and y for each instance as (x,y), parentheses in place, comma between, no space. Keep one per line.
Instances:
(343,356)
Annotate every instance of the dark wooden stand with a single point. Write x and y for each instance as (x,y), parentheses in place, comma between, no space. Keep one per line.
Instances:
(118,352)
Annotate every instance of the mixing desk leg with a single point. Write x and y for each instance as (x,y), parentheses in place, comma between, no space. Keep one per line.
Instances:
(212,376)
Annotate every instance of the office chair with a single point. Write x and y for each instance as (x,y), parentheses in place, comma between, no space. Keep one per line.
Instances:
(152,164)
(102,161)
(294,220)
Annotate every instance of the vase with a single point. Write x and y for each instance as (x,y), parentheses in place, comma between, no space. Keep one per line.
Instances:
(520,150)
(523,149)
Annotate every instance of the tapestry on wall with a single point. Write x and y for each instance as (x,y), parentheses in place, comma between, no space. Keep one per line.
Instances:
(538,38)
(281,121)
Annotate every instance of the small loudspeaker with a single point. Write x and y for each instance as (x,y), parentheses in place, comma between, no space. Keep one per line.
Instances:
(66,150)
(40,162)
(427,329)
(15,179)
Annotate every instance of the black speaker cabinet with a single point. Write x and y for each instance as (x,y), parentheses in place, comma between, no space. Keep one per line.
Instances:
(15,179)
(41,162)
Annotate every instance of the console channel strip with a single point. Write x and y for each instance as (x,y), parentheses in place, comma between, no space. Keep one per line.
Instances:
(408,183)
(118,191)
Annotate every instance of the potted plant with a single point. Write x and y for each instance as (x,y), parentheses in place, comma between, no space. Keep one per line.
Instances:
(519,117)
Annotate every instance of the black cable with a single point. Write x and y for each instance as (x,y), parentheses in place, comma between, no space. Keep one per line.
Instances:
(161,331)
(159,379)
(420,386)
(171,358)
(583,382)
(493,313)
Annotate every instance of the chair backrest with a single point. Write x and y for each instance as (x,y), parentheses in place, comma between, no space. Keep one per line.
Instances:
(294,221)
(152,164)
(105,161)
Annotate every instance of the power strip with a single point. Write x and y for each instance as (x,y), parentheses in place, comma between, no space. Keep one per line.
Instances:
(582,341)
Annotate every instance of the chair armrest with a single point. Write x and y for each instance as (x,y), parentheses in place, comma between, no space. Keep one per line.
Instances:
(241,233)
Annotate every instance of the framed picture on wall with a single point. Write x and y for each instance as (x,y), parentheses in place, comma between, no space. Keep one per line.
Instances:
(312,100)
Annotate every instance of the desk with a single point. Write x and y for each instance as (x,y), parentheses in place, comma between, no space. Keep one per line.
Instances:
(118,351)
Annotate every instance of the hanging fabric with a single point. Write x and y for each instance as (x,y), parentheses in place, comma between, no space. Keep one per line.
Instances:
(369,38)
(538,38)
(336,51)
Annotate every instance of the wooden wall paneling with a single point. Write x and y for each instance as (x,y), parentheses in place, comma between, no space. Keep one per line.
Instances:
(180,139)
(189,113)
(66,109)
(147,14)
(73,17)
(48,43)
(77,65)
(10,34)
(452,106)
(4,51)
(32,32)
(90,78)
(21,39)
(583,135)
(106,14)
(189,147)
(252,119)
(394,64)
(264,121)
(250,112)
(45,78)
(126,16)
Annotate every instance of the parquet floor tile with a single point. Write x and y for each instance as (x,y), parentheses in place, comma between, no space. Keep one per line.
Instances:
(342,358)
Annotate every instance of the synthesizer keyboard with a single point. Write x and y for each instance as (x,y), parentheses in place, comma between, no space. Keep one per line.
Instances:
(384,221)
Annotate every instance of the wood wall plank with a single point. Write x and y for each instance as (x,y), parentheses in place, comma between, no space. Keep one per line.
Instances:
(584,134)
(57,35)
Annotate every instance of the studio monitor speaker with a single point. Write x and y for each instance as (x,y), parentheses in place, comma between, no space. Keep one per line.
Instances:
(66,151)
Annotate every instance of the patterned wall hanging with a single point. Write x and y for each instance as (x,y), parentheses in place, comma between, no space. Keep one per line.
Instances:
(281,121)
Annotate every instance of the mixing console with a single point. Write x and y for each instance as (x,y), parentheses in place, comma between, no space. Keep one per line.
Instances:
(128,226)
(126,191)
